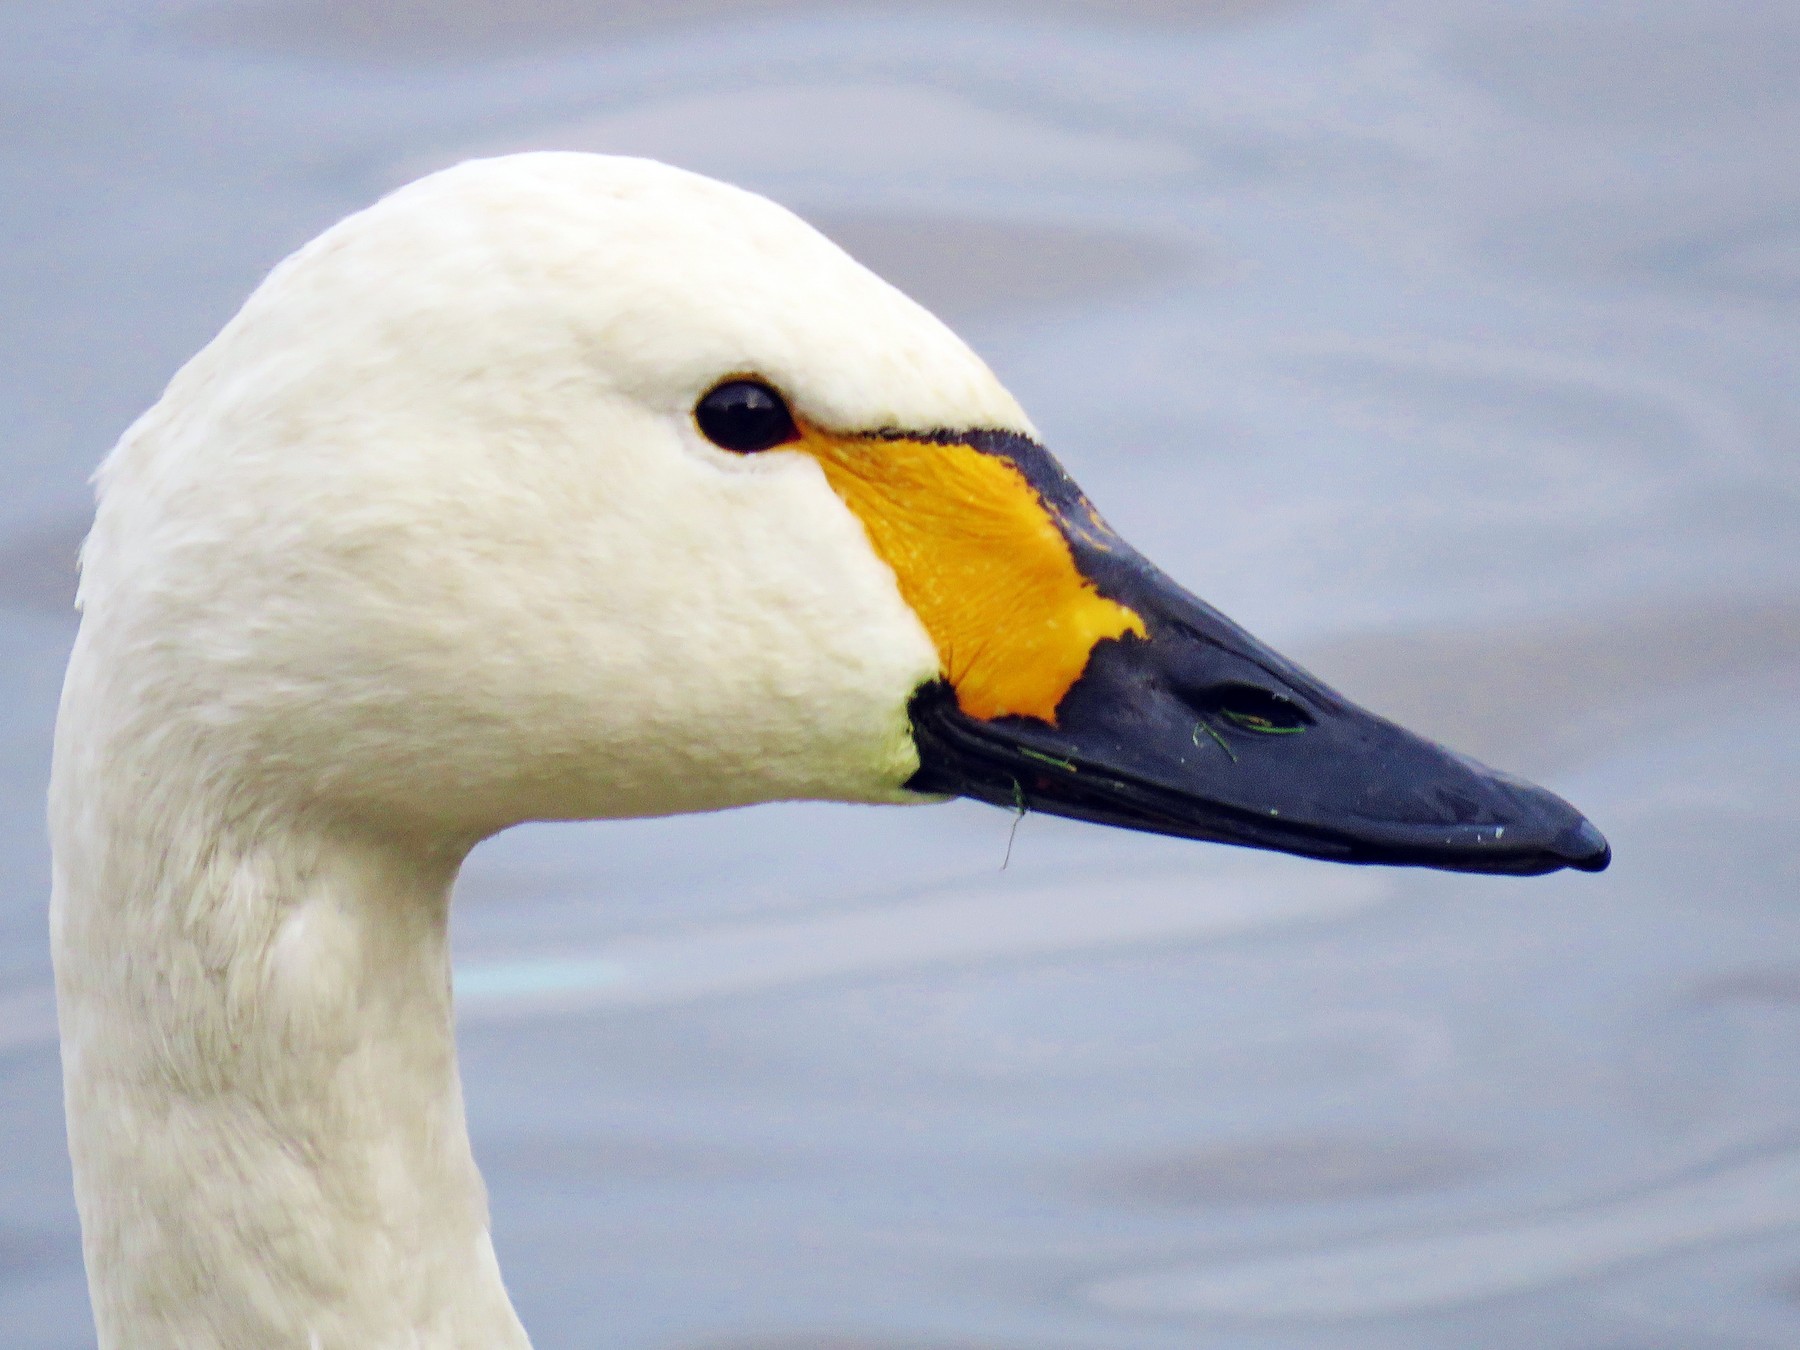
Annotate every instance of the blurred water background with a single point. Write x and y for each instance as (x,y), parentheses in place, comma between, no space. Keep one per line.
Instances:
(1449,344)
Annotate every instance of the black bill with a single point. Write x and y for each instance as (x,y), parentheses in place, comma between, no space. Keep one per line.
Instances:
(1201,731)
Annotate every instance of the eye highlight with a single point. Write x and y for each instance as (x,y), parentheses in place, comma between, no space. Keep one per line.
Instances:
(745,416)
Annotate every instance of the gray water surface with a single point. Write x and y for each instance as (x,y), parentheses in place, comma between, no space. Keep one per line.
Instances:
(1453,346)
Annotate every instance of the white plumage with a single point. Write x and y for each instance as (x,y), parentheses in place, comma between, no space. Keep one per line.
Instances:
(440,535)
(424,544)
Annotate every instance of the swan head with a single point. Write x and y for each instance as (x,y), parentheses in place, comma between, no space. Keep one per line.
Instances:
(564,486)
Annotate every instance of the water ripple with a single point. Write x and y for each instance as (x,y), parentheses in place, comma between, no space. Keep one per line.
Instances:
(950,929)
(1416,1274)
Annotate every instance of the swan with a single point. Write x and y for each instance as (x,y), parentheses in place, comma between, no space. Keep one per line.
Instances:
(562,486)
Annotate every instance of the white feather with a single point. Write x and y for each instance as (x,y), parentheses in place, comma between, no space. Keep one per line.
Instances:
(425,544)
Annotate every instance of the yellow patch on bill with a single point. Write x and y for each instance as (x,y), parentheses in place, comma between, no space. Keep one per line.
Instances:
(982,564)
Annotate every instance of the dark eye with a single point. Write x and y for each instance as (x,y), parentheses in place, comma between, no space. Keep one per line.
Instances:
(745,416)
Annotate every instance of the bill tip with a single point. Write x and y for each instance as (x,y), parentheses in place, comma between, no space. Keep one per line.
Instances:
(1585,848)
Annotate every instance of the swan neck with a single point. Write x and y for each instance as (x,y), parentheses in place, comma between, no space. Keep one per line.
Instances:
(265,1114)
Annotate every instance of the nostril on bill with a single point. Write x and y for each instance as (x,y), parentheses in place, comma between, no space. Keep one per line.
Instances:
(1248,707)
